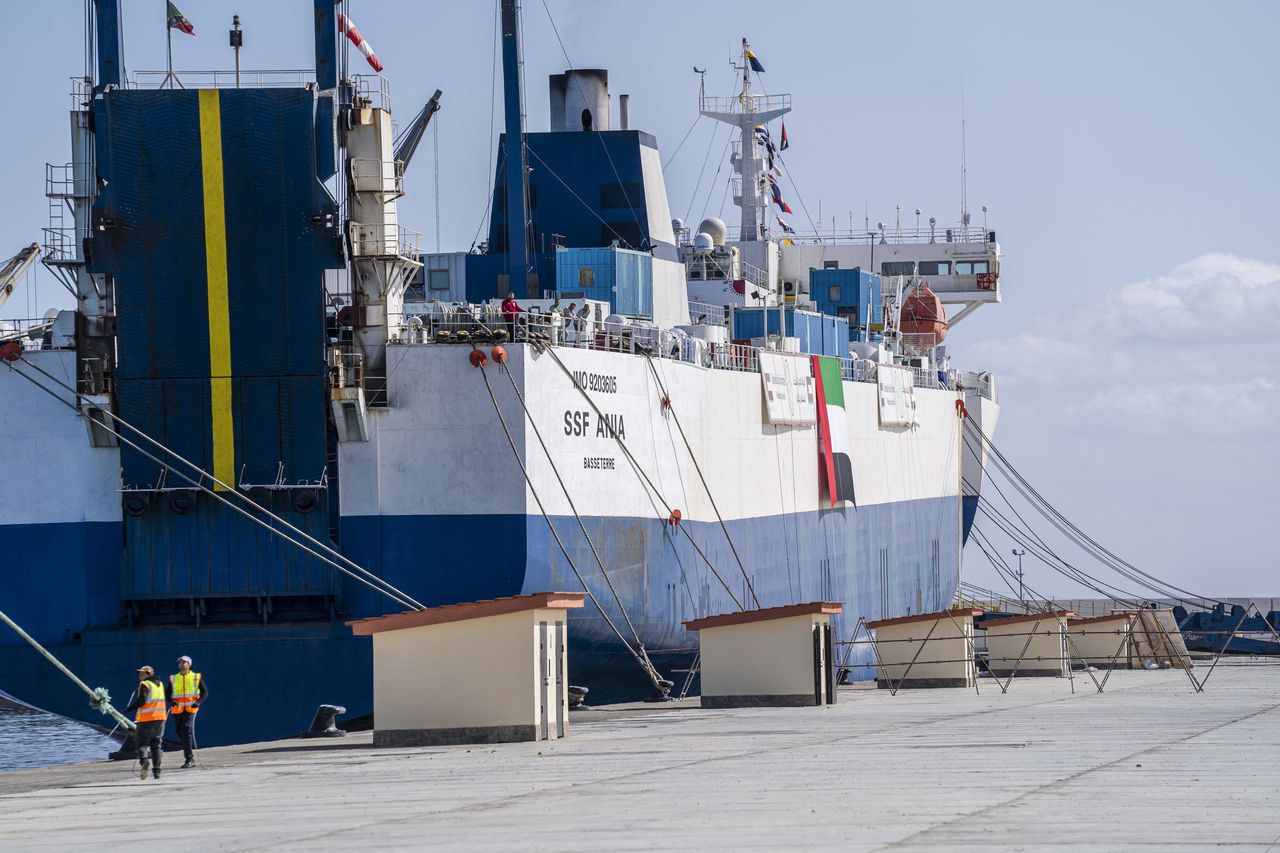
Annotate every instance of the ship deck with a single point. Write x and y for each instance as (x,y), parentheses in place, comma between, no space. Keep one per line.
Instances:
(1147,764)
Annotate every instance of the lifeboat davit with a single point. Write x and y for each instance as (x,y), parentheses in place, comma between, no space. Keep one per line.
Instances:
(922,314)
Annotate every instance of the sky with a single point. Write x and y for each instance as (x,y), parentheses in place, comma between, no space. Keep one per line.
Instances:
(1126,153)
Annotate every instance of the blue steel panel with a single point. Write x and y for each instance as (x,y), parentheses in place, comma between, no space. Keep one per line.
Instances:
(279,241)
(152,213)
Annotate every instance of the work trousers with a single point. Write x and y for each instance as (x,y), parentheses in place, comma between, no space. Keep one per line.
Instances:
(150,738)
(186,730)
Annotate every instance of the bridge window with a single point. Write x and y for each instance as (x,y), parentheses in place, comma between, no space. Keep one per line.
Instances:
(616,196)
(898,268)
(935,267)
(972,267)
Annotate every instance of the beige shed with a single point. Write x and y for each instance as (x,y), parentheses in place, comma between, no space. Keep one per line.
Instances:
(1008,649)
(926,650)
(482,672)
(774,657)
(1098,639)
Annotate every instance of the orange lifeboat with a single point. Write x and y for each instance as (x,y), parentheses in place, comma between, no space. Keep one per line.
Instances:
(923,316)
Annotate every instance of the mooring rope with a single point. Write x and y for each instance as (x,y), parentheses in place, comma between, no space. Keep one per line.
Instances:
(99,698)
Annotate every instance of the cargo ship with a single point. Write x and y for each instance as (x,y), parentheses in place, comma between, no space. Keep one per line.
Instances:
(271,413)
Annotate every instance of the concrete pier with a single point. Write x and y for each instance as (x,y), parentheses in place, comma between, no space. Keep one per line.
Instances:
(1148,764)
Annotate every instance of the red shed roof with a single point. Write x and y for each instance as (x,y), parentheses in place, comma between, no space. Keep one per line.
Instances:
(744,617)
(468,610)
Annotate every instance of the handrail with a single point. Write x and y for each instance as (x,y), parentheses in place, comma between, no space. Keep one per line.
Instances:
(470,324)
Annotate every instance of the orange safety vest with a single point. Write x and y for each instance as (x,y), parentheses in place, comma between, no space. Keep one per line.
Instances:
(185,692)
(152,710)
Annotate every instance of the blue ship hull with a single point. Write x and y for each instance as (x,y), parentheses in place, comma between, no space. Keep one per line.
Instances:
(76,607)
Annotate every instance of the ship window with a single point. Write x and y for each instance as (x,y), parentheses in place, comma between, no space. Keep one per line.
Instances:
(500,198)
(898,268)
(935,267)
(831,265)
(438,279)
(615,196)
(971,267)
(833,292)
(586,276)
(850,311)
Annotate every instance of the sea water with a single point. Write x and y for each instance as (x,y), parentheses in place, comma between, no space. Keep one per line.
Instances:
(30,738)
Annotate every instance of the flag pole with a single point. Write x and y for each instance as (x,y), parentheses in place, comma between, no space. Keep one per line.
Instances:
(168,31)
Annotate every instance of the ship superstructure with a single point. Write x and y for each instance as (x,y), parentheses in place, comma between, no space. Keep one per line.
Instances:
(252,304)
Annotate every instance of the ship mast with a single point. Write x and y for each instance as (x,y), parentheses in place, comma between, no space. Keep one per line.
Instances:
(517,172)
(746,111)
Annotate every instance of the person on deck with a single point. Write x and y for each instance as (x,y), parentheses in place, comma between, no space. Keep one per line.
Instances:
(149,701)
(571,323)
(187,692)
(510,311)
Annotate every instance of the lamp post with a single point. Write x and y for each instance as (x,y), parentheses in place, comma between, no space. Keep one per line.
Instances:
(1018,552)
(236,40)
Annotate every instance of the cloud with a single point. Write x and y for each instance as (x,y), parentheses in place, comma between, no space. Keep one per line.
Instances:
(1218,296)
(1192,350)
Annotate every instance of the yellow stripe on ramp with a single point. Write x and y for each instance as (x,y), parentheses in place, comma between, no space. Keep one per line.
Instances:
(215,250)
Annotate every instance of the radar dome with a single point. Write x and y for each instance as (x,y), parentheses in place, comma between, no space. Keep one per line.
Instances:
(677,224)
(714,226)
(703,242)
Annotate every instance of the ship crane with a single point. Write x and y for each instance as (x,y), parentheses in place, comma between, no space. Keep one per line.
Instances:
(407,143)
(15,268)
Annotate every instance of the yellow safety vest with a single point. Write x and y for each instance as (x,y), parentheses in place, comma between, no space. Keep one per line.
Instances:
(185,692)
(152,710)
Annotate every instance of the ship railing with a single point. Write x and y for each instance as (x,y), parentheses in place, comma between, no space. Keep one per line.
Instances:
(372,90)
(81,93)
(381,240)
(739,104)
(378,176)
(955,234)
(460,323)
(980,385)
(346,368)
(34,333)
(62,243)
(259,79)
(62,182)
(705,314)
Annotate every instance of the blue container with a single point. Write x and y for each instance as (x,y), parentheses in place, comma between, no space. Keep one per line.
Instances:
(818,334)
(852,295)
(620,277)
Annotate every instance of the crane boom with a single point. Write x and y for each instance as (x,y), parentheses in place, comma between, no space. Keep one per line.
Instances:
(412,135)
(14,268)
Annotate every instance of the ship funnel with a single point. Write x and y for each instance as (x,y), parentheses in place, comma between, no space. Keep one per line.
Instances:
(579,100)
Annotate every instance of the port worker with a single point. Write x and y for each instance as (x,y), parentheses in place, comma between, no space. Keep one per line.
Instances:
(187,691)
(149,702)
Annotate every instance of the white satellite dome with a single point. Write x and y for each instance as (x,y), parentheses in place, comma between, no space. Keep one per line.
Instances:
(714,226)
(677,225)
(703,242)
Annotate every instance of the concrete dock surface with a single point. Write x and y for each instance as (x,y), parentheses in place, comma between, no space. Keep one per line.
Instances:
(1147,765)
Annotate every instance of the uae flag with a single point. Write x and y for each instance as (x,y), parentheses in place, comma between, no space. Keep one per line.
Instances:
(833,430)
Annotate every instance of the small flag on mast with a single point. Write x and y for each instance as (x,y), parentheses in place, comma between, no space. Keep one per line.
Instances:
(348,28)
(178,21)
(784,144)
(785,226)
(754,62)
